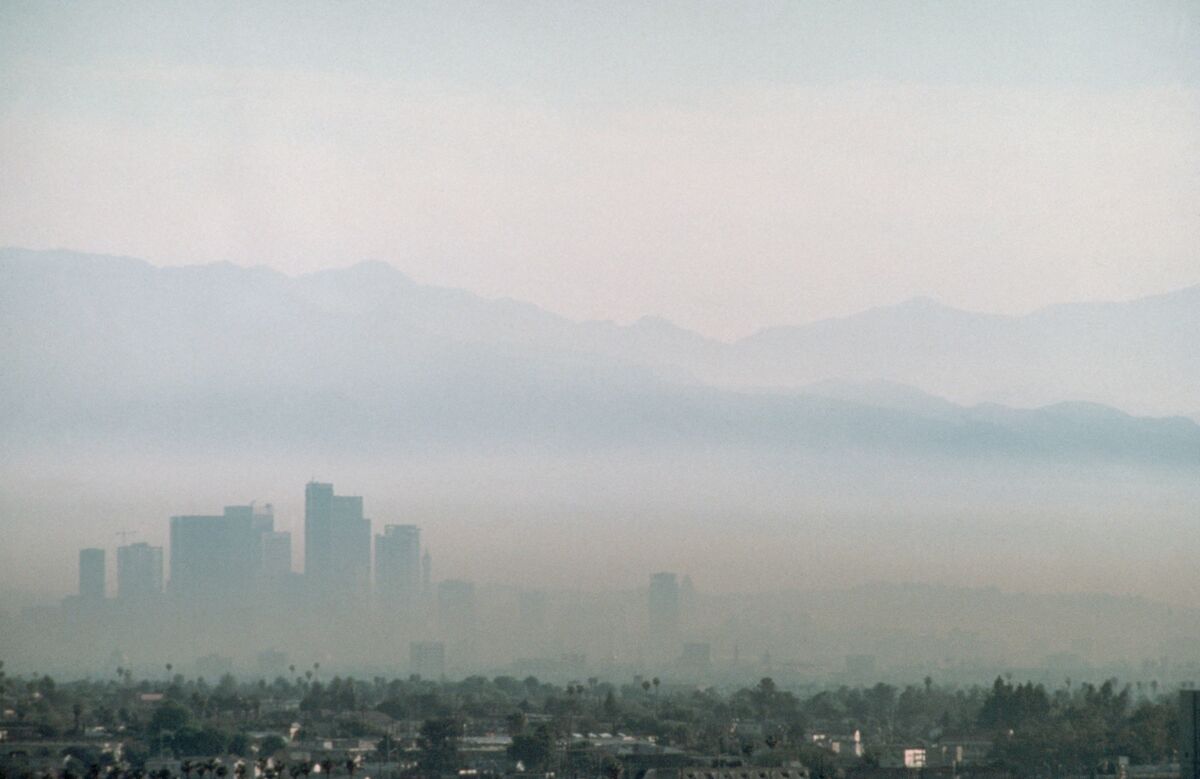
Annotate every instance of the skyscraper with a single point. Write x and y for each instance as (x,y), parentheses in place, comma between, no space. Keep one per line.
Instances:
(398,566)
(275,566)
(214,558)
(92,578)
(262,520)
(139,572)
(663,608)
(337,543)
(663,602)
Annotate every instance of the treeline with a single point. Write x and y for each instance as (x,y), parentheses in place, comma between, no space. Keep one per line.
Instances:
(1034,731)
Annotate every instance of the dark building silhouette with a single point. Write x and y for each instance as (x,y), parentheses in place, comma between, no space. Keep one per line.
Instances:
(213,558)
(337,543)
(262,520)
(92,577)
(139,572)
(1189,734)
(275,563)
(663,602)
(398,567)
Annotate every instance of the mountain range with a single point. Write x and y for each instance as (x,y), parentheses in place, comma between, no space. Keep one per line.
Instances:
(103,347)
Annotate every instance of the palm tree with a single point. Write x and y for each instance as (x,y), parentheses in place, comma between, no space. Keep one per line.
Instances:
(186,767)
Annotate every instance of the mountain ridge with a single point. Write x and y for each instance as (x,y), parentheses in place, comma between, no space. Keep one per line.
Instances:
(1093,353)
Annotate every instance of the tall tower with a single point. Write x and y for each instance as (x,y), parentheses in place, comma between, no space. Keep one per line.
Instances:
(92,579)
(398,567)
(337,544)
(275,564)
(213,558)
(318,532)
(139,572)
(663,607)
(663,602)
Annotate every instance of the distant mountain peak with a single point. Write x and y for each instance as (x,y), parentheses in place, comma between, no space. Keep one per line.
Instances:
(921,302)
(369,270)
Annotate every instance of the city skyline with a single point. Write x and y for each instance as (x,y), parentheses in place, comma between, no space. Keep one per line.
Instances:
(679,389)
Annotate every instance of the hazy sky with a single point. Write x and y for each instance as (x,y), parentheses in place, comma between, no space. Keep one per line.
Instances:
(727,165)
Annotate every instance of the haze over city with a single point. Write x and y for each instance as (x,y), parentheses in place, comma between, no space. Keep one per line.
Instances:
(758,350)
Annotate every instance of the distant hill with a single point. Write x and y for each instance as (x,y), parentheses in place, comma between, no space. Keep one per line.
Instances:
(114,348)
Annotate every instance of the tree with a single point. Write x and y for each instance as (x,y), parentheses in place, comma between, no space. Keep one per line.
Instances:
(438,744)
(610,767)
(516,722)
(271,744)
(169,716)
(239,744)
(534,749)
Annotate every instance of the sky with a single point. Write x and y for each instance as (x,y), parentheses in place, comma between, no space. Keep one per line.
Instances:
(728,166)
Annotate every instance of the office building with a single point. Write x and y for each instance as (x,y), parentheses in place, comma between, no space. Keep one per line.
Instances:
(275,565)
(337,543)
(92,578)
(214,558)
(139,572)
(262,520)
(663,602)
(398,566)
(663,607)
